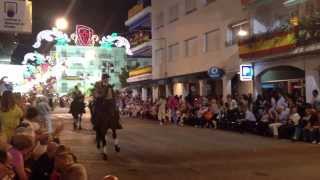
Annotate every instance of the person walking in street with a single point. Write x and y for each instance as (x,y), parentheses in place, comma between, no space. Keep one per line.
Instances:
(44,113)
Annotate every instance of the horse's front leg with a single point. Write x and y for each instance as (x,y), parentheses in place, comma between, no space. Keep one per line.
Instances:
(104,145)
(116,141)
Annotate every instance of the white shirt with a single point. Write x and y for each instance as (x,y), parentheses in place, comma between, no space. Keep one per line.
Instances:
(295,118)
(250,116)
(282,102)
(233,104)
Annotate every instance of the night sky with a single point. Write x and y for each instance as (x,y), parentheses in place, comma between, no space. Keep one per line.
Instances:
(104,16)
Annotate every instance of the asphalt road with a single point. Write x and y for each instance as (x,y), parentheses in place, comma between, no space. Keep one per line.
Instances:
(153,152)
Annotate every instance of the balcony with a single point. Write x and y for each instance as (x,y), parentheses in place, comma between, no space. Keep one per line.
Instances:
(140,19)
(140,74)
(301,38)
(141,43)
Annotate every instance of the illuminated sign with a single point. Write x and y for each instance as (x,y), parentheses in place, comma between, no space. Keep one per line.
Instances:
(215,73)
(246,72)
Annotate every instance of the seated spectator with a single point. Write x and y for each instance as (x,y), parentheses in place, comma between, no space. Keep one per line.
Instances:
(66,165)
(250,120)
(288,130)
(306,120)
(209,118)
(20,151)
(315,126)
(6,172)
(281,119)
(43,167)
(295,121)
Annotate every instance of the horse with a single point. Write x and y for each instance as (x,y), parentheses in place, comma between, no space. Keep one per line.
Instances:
(105,116)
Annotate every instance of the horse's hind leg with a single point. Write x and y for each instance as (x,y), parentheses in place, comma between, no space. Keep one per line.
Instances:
(104,145)
(98,139)
(115,140)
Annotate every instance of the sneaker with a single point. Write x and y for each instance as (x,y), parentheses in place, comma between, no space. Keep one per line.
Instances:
(314,142)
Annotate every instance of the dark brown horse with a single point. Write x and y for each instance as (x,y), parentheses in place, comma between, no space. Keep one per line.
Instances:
(105,116)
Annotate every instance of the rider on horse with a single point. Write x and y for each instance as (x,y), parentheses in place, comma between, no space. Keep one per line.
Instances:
(105,114)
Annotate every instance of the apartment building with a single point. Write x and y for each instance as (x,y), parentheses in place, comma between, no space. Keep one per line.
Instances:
(283,46)
(195,48)
(139,35)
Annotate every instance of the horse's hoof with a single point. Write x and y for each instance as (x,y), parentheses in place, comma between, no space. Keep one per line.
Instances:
(117,148)
(105,157)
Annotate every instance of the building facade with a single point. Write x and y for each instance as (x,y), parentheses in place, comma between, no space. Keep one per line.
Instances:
(139,35)
(283,46)
(195,49)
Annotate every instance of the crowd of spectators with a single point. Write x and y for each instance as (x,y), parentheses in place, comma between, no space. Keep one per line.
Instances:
(272,114)
(30,148)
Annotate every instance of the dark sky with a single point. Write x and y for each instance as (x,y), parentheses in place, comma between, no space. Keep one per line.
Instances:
(104,16)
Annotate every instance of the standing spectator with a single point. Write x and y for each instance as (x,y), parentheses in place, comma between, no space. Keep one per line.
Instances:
(316,99)
(3,86)
(162,110)
(10,115)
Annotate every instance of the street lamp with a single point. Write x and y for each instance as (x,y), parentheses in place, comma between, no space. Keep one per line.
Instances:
(61,23)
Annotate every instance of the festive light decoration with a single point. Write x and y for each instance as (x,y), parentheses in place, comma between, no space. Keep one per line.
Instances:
(50,36)
(39,68)
(84,36)
(117,41)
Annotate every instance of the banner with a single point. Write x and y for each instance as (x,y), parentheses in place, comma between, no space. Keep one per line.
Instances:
(271,44)
(16,16)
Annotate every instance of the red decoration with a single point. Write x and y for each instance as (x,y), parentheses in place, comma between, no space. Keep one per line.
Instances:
(84,35)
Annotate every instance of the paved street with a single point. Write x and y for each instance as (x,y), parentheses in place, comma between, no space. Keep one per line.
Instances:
(151,152)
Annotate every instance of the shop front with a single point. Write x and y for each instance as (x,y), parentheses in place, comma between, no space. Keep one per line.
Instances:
(285,79)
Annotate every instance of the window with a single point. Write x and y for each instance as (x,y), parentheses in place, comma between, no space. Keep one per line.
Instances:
(191,47)
(212,40)
(173,51)
(160,20)
(173,13)
(233,32)
(191,6)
